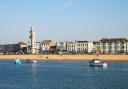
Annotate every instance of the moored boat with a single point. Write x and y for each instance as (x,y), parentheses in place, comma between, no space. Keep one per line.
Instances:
(34,61)
(97,62)
(30,61)
(17,61)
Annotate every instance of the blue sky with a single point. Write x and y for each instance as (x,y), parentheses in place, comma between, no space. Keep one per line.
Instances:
(63,19)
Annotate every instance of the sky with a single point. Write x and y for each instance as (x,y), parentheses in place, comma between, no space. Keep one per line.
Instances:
(63,19)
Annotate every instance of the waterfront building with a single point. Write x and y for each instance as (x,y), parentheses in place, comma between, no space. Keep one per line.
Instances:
(90,47)
(61,45)
(45,45)
(72,47)
(33,46)
(77,46)
(37,47)
(19,48)
(22,47)
(113,45)
(22,44)
(96,47)
(9,48)
(82,46)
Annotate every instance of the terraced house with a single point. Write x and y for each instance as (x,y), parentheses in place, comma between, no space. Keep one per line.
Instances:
(77,46)
(113,45)
(72,47)
(82,46)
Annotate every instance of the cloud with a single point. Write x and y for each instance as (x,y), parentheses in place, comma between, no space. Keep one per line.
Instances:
(69,3)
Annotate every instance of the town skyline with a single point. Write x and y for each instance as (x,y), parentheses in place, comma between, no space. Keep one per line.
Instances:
(63,20)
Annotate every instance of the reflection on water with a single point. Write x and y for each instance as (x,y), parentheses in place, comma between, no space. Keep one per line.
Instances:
(62,75)
(98,68)
(34,79)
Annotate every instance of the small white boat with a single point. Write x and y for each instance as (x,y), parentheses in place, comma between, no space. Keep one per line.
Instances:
(17,61)
(97,62)
(34,61)
(30,61)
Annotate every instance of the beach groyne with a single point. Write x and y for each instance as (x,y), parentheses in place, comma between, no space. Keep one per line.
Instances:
(77,57)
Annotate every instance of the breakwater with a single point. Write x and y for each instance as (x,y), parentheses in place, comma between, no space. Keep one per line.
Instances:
(79,57)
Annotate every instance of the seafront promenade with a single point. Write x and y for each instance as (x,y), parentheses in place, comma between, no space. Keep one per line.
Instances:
(78,57)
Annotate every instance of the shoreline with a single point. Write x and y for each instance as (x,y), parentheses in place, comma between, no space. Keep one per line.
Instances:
(78,57)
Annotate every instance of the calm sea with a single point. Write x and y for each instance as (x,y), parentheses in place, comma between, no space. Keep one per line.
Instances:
(62,75)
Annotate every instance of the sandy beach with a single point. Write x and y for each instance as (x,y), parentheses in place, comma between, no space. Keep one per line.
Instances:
(122,58)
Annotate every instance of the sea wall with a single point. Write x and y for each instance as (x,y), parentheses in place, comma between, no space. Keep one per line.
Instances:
(66,57)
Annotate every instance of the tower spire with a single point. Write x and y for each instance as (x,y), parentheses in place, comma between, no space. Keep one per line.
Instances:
(33,40)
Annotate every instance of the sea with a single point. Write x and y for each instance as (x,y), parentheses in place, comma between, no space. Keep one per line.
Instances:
(62,75)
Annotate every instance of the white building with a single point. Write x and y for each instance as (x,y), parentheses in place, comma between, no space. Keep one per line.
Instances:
(90,47)
(77,46)
(61,45)
(82,46)
(33,46)
(113,45)
(46,44)
(44,47)
(71,47)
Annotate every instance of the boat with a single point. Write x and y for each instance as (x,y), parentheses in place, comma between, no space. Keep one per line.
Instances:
(30,61)
(97,62)
(17,61)
(34,61)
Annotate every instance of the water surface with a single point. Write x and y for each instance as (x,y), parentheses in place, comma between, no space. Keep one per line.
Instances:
(63,75)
